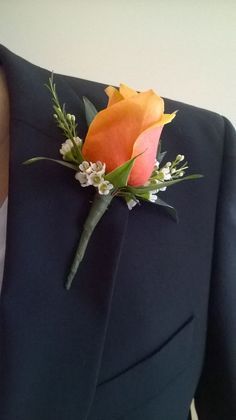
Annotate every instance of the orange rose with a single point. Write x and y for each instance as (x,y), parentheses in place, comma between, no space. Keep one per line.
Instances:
(131,123)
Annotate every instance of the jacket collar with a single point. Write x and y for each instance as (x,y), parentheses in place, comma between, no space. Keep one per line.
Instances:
(52,339)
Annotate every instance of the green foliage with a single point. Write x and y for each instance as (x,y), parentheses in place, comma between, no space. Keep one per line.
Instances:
(61,162)
(119,176)
(167,207)
(140,190)
(66,122)
(90,110)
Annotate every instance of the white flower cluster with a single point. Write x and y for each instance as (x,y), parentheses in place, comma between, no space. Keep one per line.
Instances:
(166,173)
(162,175)
(67,146)
(92,174)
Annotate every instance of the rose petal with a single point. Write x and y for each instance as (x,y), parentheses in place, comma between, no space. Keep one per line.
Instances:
(126,91)
(113,94)
(146,142)
(148,139)
(114,130)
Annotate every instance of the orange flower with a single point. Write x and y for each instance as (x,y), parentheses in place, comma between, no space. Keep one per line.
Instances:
(131,123)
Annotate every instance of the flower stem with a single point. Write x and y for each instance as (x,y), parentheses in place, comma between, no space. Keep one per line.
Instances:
(98,208)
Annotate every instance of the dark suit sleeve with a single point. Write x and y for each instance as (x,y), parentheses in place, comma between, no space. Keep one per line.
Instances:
(215,398)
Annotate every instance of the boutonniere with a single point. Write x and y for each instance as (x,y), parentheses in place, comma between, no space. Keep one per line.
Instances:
(120,156)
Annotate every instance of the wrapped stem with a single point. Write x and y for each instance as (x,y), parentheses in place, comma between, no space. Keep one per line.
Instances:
(98,208)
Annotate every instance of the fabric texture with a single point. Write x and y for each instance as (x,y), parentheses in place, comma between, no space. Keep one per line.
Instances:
(150,321)
(3,225)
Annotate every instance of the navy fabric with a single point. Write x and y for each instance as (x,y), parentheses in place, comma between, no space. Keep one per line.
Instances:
(150,321)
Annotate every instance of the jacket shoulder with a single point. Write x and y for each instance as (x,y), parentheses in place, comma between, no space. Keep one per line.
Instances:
(196,116)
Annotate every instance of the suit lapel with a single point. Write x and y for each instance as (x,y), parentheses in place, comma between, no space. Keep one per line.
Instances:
(51,340)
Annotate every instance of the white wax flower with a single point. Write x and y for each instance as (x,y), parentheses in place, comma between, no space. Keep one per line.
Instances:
(85,167)
(68,145)
(166,173)
(152,197)
(105,187)
(131,203)
(95,178)
(83,178)
(98,167)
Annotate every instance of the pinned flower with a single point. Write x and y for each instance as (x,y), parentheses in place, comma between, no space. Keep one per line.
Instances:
(120,155)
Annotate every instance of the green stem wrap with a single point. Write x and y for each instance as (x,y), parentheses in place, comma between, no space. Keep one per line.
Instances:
(98,208)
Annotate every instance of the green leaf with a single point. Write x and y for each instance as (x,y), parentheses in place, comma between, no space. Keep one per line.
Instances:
(140,190)
(119,176)
(161,157)
(159,149)
(61,162)
(170,210)
(78,152)
(126,196)
(90,110)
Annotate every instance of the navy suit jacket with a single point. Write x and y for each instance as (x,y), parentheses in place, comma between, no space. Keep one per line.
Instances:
(150,321)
